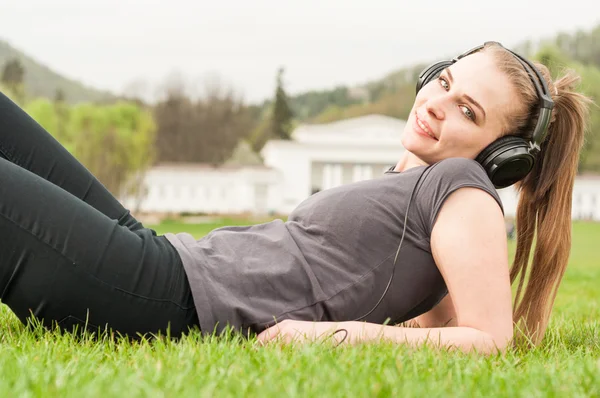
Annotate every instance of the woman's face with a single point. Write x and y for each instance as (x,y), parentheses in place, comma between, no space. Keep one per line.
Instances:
(461,112)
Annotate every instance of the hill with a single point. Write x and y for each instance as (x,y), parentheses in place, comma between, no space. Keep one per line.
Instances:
(393,94)
(41,81)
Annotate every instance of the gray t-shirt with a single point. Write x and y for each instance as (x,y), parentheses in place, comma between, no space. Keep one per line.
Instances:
(333,257)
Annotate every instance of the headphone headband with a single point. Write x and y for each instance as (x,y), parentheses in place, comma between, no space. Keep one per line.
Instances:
(546,103)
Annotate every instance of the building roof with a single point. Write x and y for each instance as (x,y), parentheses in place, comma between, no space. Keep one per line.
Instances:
(363,130)
(243,155)
(168,166)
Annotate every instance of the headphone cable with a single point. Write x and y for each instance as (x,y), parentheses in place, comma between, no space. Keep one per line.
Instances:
(397,251)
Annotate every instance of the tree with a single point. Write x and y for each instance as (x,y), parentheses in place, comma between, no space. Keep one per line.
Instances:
(557,62)
(115,142)
(222,121)
(261,132)
(174,119)
(62,112)
(281,118)
(590,156)
(59,96)
(13,76)
(44,112)
(204,130)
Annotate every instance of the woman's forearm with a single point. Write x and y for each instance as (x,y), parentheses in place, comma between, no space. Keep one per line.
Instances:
(457,337)
(464,338)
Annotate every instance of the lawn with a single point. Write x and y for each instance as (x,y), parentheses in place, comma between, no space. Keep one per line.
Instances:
(40,363)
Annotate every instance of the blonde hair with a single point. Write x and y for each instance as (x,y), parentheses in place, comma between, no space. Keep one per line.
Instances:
(544,208)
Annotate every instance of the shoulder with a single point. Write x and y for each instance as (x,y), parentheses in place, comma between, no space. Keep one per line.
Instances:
(453,173)
(442,179)
(460,169)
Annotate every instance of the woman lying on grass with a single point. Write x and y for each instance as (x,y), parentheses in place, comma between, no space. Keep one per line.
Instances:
(72,255)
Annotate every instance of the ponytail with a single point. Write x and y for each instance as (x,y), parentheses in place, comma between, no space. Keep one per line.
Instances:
(544,211)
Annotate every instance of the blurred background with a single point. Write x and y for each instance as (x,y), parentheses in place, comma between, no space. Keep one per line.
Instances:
(246,108)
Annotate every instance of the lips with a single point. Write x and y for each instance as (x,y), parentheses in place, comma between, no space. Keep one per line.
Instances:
(423,127)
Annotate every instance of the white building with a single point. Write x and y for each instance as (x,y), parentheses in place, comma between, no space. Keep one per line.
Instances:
(327,155)
(198,188)
(319,157)
(586,199)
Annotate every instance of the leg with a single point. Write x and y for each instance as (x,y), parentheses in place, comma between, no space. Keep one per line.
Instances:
(63,261)
(25,143)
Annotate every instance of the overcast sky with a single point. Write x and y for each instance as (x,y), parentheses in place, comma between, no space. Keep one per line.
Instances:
(111,43)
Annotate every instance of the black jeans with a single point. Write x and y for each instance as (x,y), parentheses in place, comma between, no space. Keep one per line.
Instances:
(70,253)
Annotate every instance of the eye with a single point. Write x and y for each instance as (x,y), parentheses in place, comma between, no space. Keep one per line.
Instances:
(444,83)
(468,112)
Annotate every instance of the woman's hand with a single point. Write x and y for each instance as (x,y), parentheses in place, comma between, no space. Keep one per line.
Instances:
(289,331)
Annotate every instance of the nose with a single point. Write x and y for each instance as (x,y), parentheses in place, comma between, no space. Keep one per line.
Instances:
(435,107)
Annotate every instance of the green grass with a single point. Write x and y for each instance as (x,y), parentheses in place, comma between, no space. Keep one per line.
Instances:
(40,363)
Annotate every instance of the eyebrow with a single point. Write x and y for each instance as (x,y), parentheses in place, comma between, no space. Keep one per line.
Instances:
(469,98)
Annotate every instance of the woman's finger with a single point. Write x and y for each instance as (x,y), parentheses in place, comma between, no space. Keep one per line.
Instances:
(268,334)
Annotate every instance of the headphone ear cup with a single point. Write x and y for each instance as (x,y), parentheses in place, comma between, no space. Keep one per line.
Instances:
(431,72)
(507,160)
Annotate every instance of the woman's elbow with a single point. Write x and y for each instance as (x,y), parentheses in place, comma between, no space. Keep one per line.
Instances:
(493,337)
(486,342)
(499,341)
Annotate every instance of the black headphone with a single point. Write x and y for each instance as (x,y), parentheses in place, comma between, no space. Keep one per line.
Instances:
(509,158)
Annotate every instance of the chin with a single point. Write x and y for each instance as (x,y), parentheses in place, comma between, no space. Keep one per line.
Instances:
(417,151)
(412,143)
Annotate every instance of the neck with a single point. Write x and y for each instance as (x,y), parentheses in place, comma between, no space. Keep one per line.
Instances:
(408,160)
